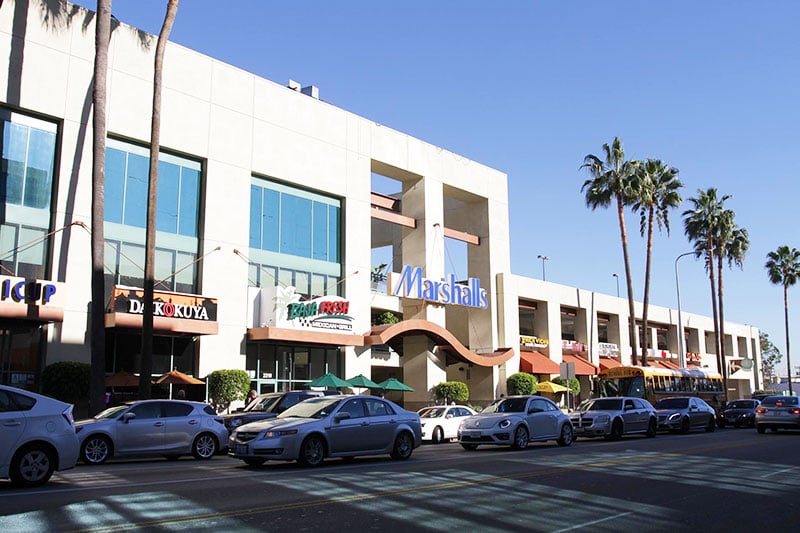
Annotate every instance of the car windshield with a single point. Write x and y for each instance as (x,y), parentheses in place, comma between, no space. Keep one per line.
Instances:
(743,404)
(508,405)
(432,412)
(262,404)
(601,404)
(672,403)
(111,412)
(312,408)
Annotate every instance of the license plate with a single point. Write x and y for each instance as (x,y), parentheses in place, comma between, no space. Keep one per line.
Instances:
(240,449)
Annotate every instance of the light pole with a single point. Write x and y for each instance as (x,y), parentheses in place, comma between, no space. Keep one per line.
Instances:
(681,352)
(617,278)
(543,258)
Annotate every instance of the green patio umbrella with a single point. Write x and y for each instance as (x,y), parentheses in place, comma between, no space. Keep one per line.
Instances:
(363,382)
(394,384)
(329,380)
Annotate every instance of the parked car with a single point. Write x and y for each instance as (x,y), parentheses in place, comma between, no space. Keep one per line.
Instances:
(37,437)
(684,413)
(268,405)
(778,412)
(614,417)
(329,426)
(738,413)
(152,427)
(440,422)
(515,421)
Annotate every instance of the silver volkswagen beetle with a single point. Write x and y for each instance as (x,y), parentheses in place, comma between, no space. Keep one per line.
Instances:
(329,426)
(516,421)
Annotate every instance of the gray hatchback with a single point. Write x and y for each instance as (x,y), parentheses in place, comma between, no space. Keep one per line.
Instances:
(778,412)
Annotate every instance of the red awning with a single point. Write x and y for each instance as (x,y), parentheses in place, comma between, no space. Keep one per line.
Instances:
(669,365)
(608,362)
(582,366)
(537,363)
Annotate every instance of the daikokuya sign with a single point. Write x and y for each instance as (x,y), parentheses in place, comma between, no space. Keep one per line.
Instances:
(283,307)
(165,304)
(410,284)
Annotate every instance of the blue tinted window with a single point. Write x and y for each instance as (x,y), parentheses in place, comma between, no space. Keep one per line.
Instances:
(136,191)
(320,231)
(295,225)
(167,202)
(39,176)
(115,185)
(270,220)
(15,144)
(333,234)
(256,209)
(189,202)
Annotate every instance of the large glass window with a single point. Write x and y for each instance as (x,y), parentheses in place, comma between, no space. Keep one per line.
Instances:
(294,238)
(177,218)
(26,189)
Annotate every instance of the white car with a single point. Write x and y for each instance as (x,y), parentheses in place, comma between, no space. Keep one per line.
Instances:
(37,437)
(440,422)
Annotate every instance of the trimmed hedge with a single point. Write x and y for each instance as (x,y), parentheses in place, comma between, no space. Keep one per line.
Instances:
(226,386)
(67,381)
(521,383)
(451,391)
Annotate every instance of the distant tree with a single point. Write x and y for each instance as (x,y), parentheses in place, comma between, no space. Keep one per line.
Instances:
(521,383)
(657,192)
(611,180)
(783,268)
(227,386)
(770,357)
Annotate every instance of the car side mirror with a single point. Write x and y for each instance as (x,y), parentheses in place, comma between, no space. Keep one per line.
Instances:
(341,415)
(127,417)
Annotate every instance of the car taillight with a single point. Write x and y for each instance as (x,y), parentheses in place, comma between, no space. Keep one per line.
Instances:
(794,411)
(67,414)
(761,410)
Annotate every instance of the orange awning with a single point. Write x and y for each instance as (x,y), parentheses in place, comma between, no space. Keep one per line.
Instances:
(608,362)
(669,365)
(537,363)
(582,366)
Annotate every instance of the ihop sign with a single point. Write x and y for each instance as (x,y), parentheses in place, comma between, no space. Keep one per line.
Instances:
(32,292)
(411,284)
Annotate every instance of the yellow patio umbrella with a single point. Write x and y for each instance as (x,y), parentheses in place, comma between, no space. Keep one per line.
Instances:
(549,386)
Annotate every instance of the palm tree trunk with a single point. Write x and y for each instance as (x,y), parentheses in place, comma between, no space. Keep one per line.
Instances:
(98,332)
(722,323)
(152,195)
(714,308)
(786,326)
(647,284)
(628,278)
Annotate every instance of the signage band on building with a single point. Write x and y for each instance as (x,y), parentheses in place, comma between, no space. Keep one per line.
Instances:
(411,284)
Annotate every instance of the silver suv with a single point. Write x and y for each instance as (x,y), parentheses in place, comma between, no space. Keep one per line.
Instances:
(614,417)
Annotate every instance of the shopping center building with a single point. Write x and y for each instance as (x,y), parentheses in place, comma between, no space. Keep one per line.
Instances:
(270,232)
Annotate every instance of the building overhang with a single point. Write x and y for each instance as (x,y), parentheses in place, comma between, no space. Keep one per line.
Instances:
(33,313)
(162,325)
(303,336)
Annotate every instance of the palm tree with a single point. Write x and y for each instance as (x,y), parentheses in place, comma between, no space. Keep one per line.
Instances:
(701,224)
(146,368)
(612,180)
(783,268)
(98,331)
(657,187)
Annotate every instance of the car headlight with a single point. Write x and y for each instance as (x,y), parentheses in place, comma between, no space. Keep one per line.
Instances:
(279,433)
(674,416)
(504,423)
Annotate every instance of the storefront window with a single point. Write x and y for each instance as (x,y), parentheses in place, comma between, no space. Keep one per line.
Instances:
(277,367)
(123,349)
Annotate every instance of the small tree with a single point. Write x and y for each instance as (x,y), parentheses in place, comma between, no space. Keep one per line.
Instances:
(573,384)
(226,386)
(451,391)
(521,383)
(386,317)
(770,357)
(67,381)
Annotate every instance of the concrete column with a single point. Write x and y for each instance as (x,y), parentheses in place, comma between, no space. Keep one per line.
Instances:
(422,370)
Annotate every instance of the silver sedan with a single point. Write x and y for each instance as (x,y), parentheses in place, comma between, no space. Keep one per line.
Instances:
(330,426)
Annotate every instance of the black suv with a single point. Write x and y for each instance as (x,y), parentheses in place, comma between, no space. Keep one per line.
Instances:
(269,405)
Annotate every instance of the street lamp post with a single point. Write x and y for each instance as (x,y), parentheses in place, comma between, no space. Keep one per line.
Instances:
(681,351)
(617,278)
(543,258)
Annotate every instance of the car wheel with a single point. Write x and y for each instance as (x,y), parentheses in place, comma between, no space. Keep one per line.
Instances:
(685,425)
(711,425)
(566,435)
(95,450)
(520,438)
(312,451)
(32,466)
(652,428)
(616,430)
(760,428)
(172,457)
(403,446)
(254,462)
(470,447)
(438,435)
(204,446)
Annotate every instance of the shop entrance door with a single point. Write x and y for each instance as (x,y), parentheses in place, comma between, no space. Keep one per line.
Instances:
(21,354)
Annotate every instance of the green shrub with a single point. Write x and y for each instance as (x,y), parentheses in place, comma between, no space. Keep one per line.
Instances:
(226,386)
(573,384)
(386,317)
(67,381)
(521,383)
(451,391)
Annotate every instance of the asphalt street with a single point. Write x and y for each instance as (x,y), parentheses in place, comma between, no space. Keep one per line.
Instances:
(729,480)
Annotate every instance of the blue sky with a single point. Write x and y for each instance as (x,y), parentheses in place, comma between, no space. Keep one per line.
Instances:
(531,87)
